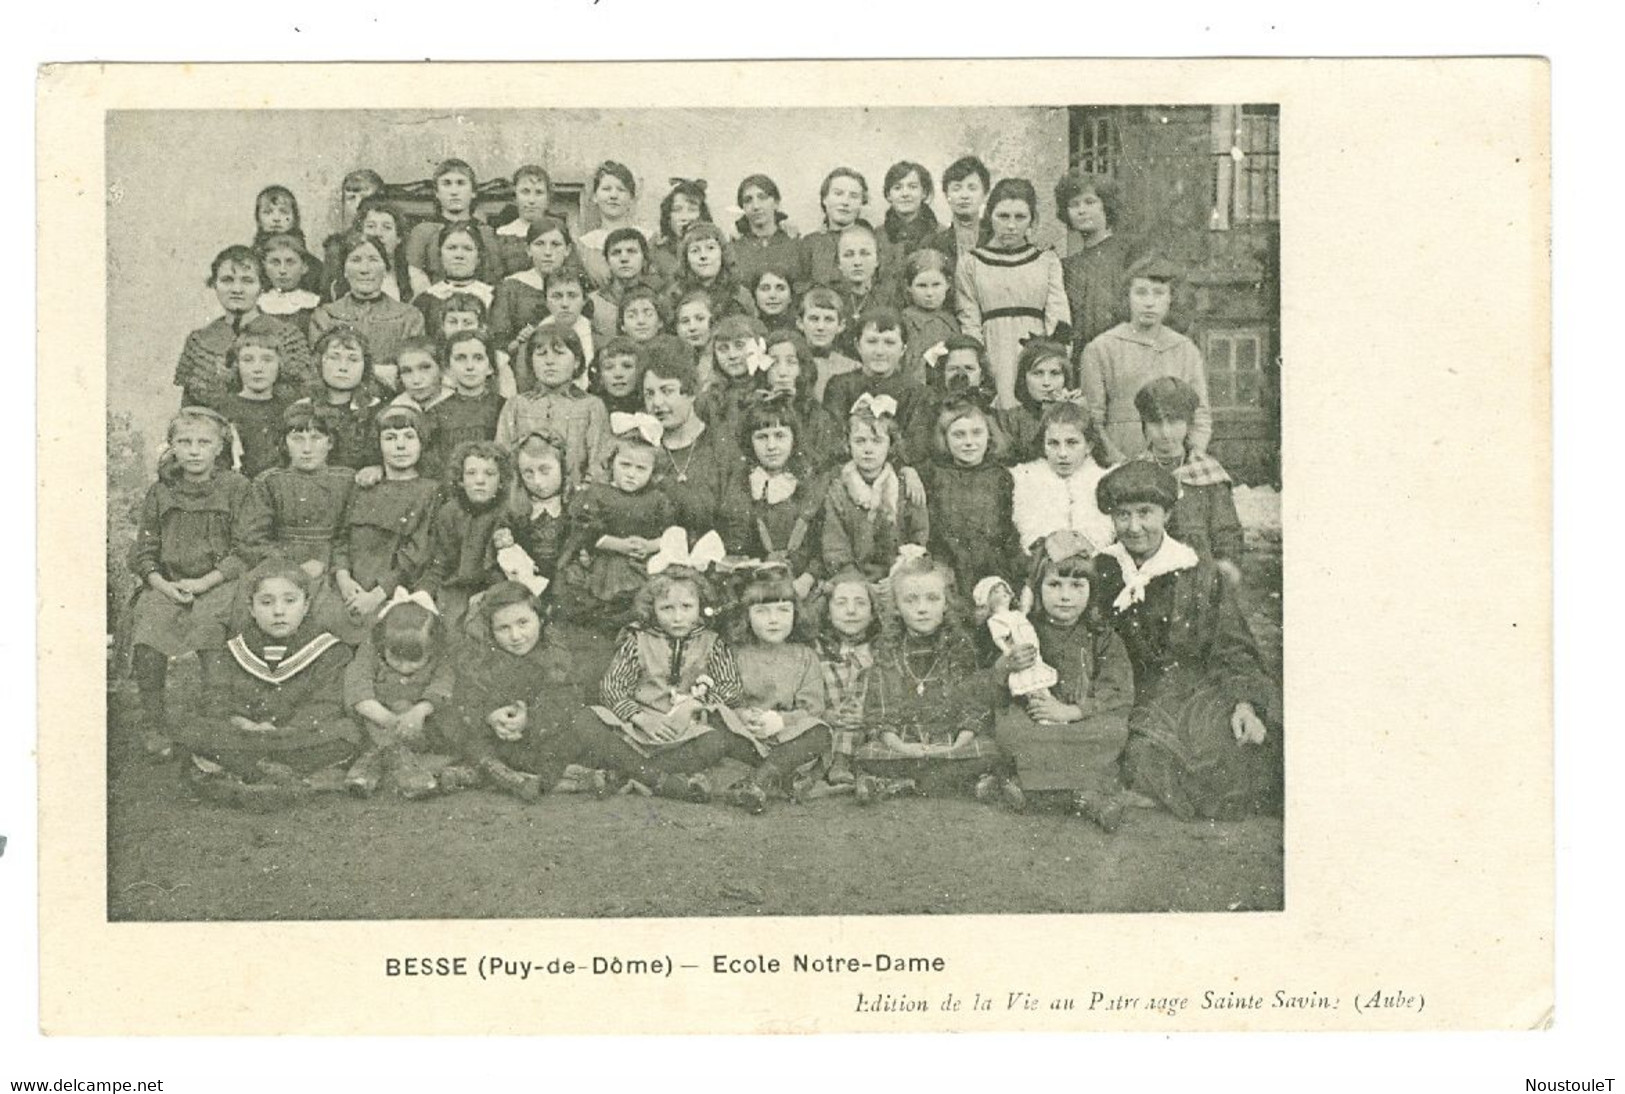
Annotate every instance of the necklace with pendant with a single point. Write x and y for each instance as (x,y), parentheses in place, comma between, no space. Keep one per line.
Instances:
(682,471)
(920,681)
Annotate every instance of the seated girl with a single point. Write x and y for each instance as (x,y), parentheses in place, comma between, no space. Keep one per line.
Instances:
(399,688)
(1066,741)
(514,697)
(782,496)
(462,554)
(847,639)
(669,673)
(778,725)
(1205,731)
(615,527)
(271,716)
(867,514)
(1204,518)
(927,709)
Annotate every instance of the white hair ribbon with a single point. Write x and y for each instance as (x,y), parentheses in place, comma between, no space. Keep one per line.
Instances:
(645,425)
(401,596)
(675,551)
(876,405)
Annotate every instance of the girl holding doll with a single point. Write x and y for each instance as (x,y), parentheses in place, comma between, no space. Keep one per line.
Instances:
(867,514)
(927,710)
(778,726)
(655,722)
(364,306)
(237,277)
(537,522)
(185,554)
(1058,492)
(1065,740)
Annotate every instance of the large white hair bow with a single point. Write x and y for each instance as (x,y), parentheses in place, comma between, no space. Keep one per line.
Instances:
(875,405)
(756,358)
(646,426)
(675,551)
(401,596)
(933,356)
(906,553)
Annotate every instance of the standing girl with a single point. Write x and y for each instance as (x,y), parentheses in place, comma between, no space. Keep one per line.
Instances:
(454,192)
(843,195)
(355,189)
(927,708)
(514,697)
(615,527)
(909,223)
(1008,289)
(847,640)
(520,298)
(762,239)
(536,517)
(1097,258)
(290,273)
(461,255)
(462,557)
(385,223)
(346,386)
(384,541)
(237,277)
(774,298)
(363,305)
(272,713)
(791,371)
(295,511)
(532,195)
(276,212)
(867,515)
(616,375)
(1120,362)
(782,495)
(969,496)
(681,208)
(475,405)
(1066,742)
(778,726)
(185,556)
(669,671)
(254,406)
(614,196)
(1041,378)
(626,253)
(703,262)
(927,319)
(555,403)
(1057,492)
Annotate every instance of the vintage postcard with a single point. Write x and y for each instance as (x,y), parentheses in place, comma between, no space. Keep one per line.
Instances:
(795,547)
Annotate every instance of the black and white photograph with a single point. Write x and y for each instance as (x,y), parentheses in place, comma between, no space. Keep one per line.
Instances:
(584,513)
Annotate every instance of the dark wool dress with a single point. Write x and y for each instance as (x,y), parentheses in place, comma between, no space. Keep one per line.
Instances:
(1194,659)
(489,678)
(187,530)
(971,525)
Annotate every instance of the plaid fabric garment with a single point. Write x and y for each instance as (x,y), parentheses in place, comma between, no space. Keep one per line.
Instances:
(1201,470)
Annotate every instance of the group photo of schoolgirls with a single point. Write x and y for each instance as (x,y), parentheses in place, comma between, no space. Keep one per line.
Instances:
(701,504)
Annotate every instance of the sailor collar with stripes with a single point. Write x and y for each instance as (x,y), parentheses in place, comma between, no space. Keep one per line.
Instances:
(279,664)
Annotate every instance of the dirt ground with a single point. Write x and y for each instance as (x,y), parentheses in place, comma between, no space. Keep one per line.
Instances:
(482,855)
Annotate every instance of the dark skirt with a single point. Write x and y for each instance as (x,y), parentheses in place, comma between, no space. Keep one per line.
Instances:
(1182,752)
(1081,755)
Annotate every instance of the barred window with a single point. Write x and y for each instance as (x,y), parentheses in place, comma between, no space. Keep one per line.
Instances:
(1246,165)
(1235,366)
(1097,146)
